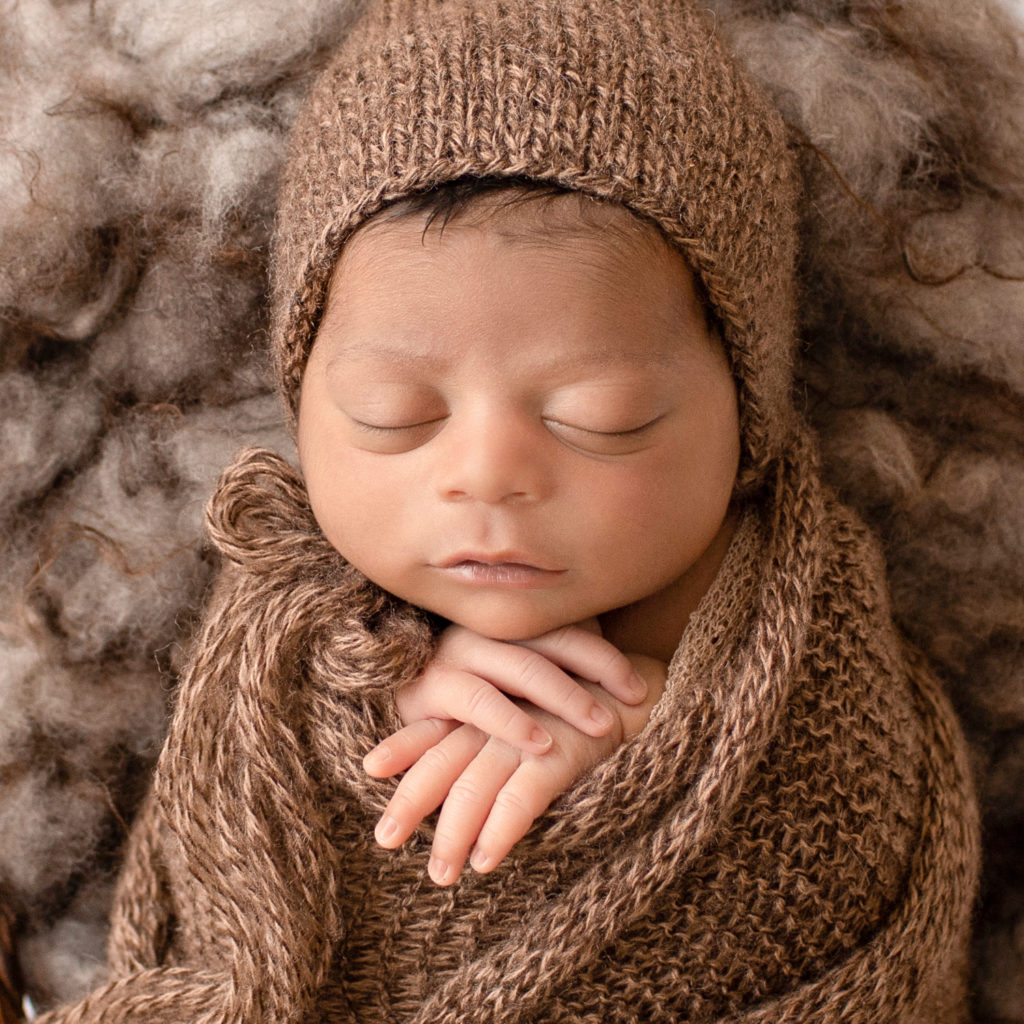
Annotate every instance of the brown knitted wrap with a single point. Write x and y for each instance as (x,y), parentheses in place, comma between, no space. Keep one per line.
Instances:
(634,102)
(791,839)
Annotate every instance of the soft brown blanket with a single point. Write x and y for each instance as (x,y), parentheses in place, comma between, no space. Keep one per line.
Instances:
(792,838)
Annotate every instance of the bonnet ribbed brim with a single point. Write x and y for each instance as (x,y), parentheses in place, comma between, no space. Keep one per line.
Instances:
(631,102)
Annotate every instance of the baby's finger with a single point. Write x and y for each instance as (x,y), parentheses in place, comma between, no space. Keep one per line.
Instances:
(425,785)
(406,747)
(522,671)
(466,696)
(522,800)
(466,808)
(588,655)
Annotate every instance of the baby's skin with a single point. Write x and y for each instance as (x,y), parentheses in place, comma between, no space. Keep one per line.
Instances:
(522,422)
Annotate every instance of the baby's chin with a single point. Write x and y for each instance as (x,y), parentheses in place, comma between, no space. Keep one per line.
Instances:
(511,625)
(508,630)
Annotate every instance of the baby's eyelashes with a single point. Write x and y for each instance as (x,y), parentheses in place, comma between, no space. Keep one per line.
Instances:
(391,428)
(604,431)
(603,442)
(394,438)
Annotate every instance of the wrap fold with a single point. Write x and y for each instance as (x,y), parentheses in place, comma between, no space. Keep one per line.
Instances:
(792,837)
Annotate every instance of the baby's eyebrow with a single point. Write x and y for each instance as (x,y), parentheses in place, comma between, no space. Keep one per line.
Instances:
(410,355)
(385,352)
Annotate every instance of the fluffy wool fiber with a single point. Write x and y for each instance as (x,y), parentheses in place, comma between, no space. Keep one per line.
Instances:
(139,143)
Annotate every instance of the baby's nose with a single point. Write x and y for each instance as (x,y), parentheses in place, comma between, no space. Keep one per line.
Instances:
(492,459)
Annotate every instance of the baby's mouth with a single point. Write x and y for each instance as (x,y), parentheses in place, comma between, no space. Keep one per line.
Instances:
(507,570)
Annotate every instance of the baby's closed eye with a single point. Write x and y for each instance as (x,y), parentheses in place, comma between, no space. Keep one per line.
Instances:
(602,439)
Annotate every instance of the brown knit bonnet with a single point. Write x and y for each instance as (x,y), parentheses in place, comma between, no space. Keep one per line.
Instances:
(633,102)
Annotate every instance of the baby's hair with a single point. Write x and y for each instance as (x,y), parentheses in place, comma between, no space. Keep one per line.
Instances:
(452,200)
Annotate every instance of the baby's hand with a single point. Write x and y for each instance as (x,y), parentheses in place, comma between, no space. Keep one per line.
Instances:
(491,790)
(470,676)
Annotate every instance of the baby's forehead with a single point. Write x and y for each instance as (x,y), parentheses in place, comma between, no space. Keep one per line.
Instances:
(596,280)
(603,239)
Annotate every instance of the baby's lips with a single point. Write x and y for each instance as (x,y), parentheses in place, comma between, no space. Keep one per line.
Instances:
(496,558)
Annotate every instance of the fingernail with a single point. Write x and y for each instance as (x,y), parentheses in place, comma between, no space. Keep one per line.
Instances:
(540,738)
(479,861)
(439,871)
(386,829)
(379,753)
(637,686)
(601,716)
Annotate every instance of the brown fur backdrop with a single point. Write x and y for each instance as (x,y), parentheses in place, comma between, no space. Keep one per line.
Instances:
(139,143)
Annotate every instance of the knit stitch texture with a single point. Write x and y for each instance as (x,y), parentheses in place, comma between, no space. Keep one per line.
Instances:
(792,837)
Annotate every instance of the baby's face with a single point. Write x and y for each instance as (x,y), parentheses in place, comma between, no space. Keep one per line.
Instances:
(519,422)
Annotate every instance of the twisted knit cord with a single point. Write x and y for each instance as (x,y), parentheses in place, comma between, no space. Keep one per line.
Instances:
(234,784)
(253,890)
